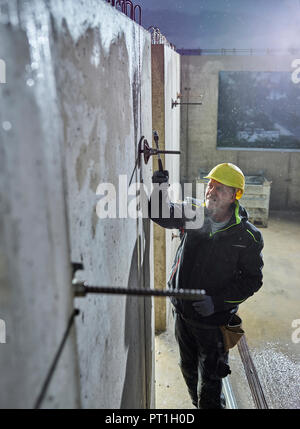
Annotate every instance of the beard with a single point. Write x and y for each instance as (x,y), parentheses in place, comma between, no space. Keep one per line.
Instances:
(217,209)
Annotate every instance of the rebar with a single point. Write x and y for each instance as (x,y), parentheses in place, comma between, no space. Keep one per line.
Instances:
(81,289)
(52,368)
(122,6)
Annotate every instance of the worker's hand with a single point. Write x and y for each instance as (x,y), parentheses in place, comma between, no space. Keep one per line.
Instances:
(204,307)
(160,176)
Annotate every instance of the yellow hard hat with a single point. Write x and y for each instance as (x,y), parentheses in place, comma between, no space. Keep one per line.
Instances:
(230,175)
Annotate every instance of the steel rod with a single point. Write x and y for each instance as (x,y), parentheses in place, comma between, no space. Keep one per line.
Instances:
(81,289)
(45,386)
(174,152)
(156,152)
(177,104)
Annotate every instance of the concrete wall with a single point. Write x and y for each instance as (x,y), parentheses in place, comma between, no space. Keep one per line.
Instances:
(77,99)
(35,293)
(165,87)
(199,76)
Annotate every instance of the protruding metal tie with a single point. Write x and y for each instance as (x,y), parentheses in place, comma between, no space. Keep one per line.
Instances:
(81,289)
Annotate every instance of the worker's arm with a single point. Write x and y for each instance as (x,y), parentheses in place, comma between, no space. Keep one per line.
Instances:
(248,279)
(167,213)
(164,212)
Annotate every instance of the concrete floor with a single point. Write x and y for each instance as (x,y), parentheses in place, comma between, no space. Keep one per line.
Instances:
(267,319)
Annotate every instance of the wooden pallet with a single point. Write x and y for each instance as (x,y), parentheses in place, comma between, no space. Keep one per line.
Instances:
(256,200)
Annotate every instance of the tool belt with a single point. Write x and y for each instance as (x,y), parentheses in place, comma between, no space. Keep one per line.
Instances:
(232,332)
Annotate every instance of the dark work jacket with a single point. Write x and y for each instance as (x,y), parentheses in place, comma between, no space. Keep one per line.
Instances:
(227,264)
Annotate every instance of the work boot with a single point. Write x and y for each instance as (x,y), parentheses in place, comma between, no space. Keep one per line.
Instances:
(211,396)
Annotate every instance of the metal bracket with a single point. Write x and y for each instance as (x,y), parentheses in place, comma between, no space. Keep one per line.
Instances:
(76,266)
(147,151)
(81,289)
(175,103)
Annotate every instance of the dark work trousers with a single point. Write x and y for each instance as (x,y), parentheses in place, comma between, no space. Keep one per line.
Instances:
(203,362)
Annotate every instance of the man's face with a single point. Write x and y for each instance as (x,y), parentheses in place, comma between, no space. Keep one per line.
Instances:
(218,197)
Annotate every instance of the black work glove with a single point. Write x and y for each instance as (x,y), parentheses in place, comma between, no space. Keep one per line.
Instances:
(160,176)
(205,307)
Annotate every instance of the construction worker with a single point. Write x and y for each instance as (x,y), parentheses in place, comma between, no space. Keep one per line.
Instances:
(223,257)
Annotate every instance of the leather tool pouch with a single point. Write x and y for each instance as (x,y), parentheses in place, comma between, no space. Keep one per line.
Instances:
(232,332)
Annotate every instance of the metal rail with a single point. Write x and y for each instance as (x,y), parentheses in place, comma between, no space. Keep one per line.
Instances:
(122,6)
(249,51)
(252,376)
(157,38)
(229,395)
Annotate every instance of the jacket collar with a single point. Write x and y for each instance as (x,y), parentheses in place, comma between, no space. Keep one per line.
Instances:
(239,214)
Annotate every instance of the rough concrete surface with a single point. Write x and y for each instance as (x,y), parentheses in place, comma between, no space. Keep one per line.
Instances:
(35,300)
(104,86)
(77,98)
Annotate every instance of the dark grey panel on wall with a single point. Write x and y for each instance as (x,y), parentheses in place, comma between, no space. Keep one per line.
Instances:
(258,110)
